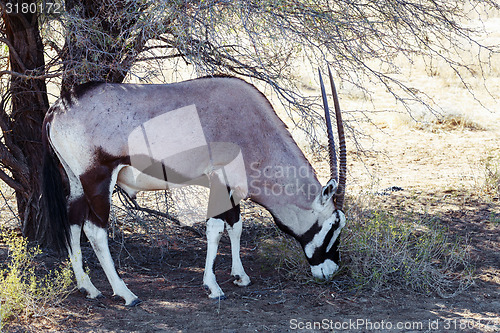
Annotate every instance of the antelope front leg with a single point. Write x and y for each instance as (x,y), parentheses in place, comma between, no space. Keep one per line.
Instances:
(98,237)
(237,269)
(215,227)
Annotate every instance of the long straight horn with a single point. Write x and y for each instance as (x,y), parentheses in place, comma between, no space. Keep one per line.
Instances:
(331,142)
(339,196)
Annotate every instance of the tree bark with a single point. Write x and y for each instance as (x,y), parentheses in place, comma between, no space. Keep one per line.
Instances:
(22,153)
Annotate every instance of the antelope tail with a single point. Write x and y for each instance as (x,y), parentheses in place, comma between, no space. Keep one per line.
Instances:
(54,228)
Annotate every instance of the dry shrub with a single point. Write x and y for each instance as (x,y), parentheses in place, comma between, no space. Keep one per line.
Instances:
(23,293)
(423,118)
(382,251)
(459,120)
(487,177)
(379,250)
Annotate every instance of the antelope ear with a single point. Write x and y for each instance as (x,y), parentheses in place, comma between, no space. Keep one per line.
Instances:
(328,191)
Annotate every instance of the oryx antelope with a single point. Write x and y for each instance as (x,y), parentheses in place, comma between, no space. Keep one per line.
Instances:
(220,132)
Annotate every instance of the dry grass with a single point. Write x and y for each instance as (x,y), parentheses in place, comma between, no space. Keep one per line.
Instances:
(491,182)
(8,208)
(450,119)
(454,99)
(290,261)
(413,251)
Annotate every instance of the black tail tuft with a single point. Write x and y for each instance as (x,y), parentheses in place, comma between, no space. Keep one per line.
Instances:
(54,229)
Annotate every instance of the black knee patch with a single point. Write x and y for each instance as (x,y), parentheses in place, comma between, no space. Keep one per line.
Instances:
(231,216)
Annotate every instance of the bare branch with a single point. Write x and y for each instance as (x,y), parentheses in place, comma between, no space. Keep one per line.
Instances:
(11,162)
(131,203)
(30,77)
(11,182)
(171,56)
(259,40)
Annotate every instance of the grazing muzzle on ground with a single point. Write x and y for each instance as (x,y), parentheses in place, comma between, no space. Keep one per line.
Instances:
(322,251)
(325,270)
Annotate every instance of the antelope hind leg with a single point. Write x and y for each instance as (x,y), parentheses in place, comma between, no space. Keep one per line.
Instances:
(83,282)
(98,237)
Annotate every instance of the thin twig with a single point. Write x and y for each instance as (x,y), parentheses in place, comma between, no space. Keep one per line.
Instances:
(131,203)
(10,208)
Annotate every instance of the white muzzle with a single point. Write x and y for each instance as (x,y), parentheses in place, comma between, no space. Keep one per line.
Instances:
(325,270)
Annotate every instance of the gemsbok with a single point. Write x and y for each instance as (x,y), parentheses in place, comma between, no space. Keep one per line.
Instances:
(220,132)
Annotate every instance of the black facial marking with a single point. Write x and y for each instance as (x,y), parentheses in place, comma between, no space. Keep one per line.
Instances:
(308,236)
(320,253)
(334,251)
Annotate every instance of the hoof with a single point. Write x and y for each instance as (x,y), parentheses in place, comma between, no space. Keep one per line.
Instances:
(85,292)
(216,294)
(242,281)
(219,298)
(135,302)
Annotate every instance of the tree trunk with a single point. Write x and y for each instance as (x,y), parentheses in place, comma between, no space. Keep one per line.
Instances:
(29,103)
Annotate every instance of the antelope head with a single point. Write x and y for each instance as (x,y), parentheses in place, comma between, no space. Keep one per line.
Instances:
(322,251)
